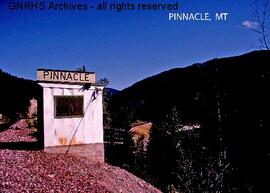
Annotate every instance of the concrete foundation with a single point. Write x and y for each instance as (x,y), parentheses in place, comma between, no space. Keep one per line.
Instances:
(93,152)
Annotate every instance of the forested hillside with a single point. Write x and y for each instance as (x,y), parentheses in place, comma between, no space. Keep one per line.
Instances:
(228,98)
(15,95)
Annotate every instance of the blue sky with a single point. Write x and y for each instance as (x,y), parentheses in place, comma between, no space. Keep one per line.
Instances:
(124,47)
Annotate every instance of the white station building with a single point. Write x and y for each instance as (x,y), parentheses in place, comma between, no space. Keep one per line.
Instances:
(72,113)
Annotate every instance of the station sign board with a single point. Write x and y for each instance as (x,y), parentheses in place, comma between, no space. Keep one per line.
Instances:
(61,76)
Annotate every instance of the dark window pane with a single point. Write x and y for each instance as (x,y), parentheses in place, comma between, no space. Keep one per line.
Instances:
(68,106)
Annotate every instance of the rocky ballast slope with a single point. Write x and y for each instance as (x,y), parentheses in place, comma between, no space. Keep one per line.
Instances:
(37,171)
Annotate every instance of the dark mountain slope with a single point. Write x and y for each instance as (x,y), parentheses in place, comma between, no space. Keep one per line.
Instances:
(188,86)
(111,91)
(15,95)
(227,96)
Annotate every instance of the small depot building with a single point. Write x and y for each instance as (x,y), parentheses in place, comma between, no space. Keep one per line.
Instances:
(72,115)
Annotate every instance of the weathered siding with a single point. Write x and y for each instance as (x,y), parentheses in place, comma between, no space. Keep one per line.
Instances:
(59,131)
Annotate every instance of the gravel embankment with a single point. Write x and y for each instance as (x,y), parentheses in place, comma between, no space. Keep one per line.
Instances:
(37,171)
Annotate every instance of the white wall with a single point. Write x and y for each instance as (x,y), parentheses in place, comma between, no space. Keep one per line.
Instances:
(59,131)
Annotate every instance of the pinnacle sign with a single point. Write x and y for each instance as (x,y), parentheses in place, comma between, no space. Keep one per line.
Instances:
(46,75)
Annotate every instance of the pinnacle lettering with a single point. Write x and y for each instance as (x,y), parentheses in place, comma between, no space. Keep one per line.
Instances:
(87,77)
(55,75)
(62,76)
(69,76)
(75,76)
(66,76)
(81,79)
(45,73)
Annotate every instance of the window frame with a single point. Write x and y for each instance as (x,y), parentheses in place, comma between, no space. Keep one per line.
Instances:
(68,116)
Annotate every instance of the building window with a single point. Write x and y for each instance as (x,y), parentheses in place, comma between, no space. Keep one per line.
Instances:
(68,106)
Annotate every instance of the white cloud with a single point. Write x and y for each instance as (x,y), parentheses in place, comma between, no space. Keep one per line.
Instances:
(250,24)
